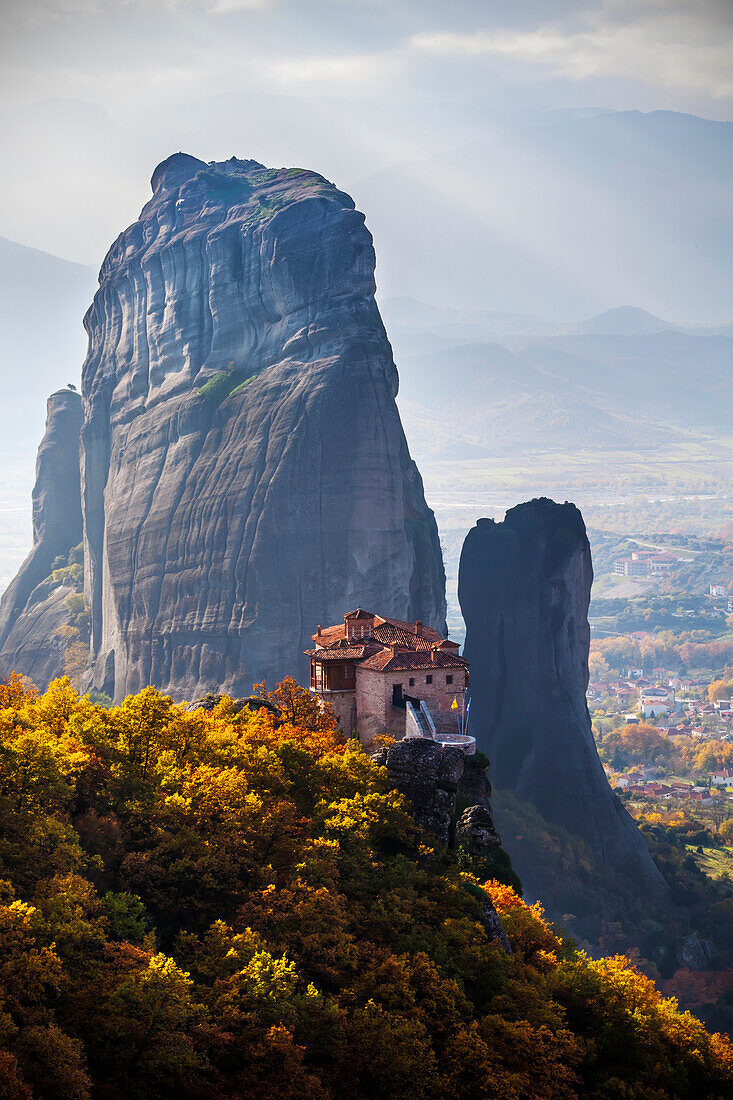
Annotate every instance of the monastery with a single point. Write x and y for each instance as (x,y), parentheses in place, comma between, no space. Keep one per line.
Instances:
(385,676)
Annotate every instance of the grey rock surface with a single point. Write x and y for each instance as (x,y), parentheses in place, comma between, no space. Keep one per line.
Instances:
(34,646)
(244,470)
(476,832)
(29,613)
(524,588)
(696,953)
(220,528)
(253,702)
(428,774)
(474,787)
(493,926)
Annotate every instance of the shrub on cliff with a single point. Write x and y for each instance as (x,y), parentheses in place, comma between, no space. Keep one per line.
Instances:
(233,903)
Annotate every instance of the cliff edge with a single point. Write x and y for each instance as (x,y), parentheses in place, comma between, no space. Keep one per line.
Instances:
(32,608)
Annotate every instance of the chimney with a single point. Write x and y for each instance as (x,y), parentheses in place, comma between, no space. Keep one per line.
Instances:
(418,626)
(433,651)
(318,630)
(394,646)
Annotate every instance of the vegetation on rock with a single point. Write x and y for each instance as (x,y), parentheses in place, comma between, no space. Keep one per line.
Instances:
(221,385)
(233,903)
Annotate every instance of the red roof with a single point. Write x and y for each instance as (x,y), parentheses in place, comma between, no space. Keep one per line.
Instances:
(384,630)
(388,661)
(342,652)
(393,644)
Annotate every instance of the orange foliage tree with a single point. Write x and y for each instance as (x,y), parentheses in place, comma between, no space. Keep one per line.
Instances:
(234,903)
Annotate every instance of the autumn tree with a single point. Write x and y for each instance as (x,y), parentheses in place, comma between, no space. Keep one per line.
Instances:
(235,903)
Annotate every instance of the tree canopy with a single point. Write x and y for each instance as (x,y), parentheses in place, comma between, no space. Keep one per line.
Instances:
(235,904)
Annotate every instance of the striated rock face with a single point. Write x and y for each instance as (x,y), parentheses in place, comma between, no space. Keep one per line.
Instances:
(524,588)
(244,471)
(474,786)
(31,612)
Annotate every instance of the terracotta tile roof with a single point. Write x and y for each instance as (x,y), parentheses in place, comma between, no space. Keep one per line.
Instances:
(385,630)
(342,652)
(393,645)
(389,631)
(405,659)
(330,634)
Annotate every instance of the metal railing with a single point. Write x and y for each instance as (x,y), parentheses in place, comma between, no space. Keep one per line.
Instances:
(414,722)
(428,718)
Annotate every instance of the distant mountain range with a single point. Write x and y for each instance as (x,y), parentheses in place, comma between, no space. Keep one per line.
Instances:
(42,340)
(408,315)
(474,383)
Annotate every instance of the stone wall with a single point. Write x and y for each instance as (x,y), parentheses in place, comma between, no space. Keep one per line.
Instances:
(374,700)
(343,704)
(375,713)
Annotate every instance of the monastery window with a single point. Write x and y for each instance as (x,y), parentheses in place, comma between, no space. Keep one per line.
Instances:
(449,679)
(412,681)
(428,679)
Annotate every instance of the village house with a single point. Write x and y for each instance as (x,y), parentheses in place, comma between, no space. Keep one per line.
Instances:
(722,778)
(642,563)
(630,779)
(657,701)
(628,567)
(386,676)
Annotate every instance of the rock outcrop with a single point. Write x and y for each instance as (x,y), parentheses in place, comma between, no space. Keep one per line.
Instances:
(524,588)
(476,832)
(253,702)
(244,471)
(429,775)
(32,609)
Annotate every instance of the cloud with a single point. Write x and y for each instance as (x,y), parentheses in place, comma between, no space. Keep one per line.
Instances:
(35,11)
(667,43)
(326,73)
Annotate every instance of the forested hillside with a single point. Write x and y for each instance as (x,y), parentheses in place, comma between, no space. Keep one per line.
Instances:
(233,903)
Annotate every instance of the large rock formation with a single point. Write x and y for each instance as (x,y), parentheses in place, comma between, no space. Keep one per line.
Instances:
(33,608)
(524,588)
(245,475)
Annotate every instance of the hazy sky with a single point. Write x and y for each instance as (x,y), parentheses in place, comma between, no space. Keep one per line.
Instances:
(94,93)
(404,103)
(512,53)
